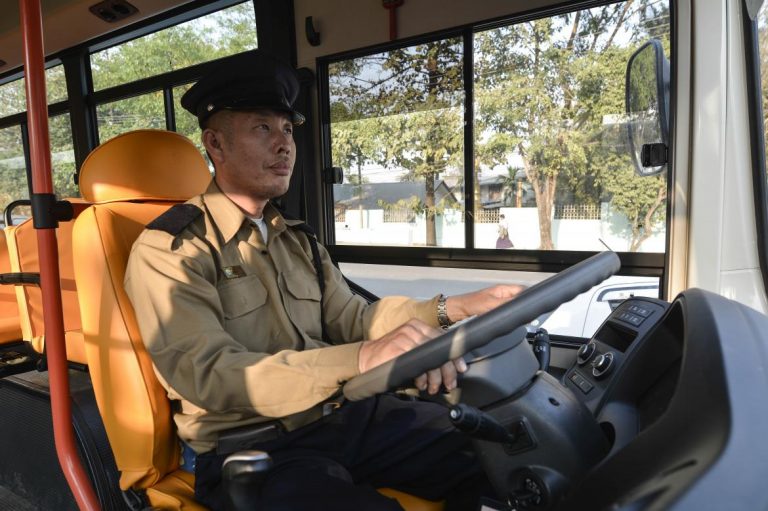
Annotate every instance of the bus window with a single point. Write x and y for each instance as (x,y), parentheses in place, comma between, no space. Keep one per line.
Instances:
(62,156)
(145,111)
(553,170)
(12,99)
(186,123)
(13,169)
(396,130)
(542,125)
(757,48)
(55,85)
(209,37)
(762,39)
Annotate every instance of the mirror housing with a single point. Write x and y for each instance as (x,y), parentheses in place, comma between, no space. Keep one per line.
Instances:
(647,107)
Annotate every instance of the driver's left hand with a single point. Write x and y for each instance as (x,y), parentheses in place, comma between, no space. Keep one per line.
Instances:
(471,304)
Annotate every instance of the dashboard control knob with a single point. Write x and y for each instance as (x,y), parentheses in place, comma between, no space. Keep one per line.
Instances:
(585,353)
(602,365)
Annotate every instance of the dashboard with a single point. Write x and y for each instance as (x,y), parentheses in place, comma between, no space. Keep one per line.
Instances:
(662,409)
(677,388)
(633,340)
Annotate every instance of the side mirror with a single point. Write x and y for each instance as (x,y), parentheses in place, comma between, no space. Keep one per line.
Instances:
(647,104)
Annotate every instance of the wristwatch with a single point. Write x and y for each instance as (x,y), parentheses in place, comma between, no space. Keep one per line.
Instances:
(442,313)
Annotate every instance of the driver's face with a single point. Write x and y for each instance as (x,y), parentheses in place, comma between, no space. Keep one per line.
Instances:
(257,152)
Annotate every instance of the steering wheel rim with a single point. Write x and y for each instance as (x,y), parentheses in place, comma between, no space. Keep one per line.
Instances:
(480,330)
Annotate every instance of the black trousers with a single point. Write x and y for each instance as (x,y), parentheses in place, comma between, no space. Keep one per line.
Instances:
(337,462)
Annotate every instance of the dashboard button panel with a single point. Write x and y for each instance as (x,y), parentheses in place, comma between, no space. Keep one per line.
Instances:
(632,319)
(598,361)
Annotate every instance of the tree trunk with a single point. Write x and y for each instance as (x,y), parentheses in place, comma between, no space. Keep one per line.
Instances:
(360,192)
(429,203)
(545,206)
(544,188)
(639,235)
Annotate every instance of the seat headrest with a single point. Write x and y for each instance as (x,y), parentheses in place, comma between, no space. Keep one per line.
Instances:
(144,165)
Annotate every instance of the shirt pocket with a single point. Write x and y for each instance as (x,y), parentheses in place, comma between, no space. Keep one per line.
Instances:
(303,302)
(241,296)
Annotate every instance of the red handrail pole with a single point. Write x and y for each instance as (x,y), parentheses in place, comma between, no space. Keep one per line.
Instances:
(37,117)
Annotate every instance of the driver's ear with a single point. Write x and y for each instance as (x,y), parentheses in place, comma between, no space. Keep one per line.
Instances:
(213,140)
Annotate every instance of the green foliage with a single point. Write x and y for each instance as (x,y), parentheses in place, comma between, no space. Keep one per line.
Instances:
(403,110)
(548,91)
(762,38)
(214,36)
(13,95)
(62,157)
(210,37)
(12,98)
(13,174)
(13,179)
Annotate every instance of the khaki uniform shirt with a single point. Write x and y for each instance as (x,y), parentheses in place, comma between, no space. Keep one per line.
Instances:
(233,324)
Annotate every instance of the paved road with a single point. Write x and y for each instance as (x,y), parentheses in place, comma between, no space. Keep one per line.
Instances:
(424,282)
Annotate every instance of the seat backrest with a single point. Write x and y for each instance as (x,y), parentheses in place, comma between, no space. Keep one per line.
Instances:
(130,180)
(10,323)
(22,242)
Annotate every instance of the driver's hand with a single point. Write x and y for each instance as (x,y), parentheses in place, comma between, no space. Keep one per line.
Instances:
(405,338)
(446,375)
(464,306)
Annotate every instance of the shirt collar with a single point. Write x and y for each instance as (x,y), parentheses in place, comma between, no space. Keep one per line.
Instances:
(229,218)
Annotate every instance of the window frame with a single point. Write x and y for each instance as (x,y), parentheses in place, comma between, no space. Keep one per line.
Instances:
(757,138)
(164,82)
(20,119)
(632,263)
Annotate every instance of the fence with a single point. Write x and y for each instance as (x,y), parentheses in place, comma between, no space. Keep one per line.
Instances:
(577,212)
(487,216)
(399,215)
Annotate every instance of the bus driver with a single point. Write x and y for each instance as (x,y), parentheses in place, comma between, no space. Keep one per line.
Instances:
(229,305)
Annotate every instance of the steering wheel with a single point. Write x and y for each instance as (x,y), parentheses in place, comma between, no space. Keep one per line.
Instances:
(543,297)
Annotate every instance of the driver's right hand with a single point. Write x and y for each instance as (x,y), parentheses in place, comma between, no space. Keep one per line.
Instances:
(405,338)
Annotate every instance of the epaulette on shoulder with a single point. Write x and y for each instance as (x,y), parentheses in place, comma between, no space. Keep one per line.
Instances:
(176,219)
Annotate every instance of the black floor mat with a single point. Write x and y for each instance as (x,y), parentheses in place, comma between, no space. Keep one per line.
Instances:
(12,502)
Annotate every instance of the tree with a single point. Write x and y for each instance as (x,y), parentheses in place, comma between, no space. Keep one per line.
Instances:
(222,33)
(402,109)
(355,144)
(762,40)
(544,89)
(13,175)
(13,183)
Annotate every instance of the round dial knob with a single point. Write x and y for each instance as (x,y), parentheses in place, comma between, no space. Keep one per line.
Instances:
(602,365)
(585,353)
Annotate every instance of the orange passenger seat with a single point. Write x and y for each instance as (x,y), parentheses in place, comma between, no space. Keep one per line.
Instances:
(22,244)
(131,180)
(10,323)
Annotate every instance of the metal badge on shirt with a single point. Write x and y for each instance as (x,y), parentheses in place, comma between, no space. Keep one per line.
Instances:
(233,272)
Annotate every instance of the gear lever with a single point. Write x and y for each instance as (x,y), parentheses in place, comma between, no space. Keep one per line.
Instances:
(541,348)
